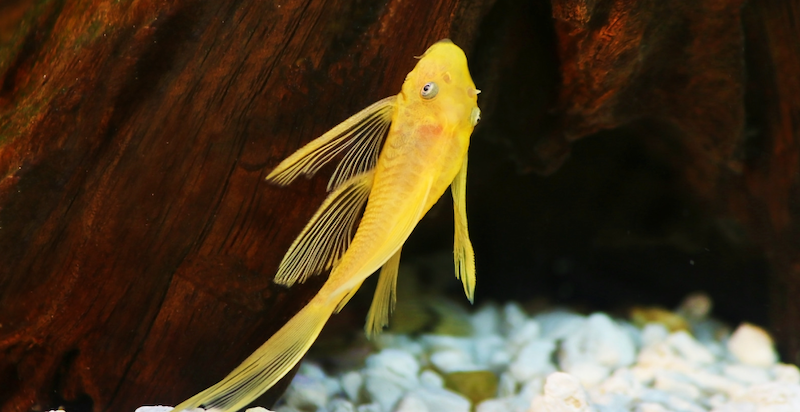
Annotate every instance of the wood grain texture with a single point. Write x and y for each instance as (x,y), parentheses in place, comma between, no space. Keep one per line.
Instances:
(711,86)
(767,196)
(138,234)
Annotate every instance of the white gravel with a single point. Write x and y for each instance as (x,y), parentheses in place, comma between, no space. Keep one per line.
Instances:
(562,362)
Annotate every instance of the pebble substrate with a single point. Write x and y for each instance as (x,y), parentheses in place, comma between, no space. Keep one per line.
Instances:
(560,361)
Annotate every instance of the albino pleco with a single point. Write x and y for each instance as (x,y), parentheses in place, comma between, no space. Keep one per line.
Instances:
(399,155)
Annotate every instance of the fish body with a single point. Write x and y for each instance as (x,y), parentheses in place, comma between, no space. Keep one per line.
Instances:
(423,152)
(400,155)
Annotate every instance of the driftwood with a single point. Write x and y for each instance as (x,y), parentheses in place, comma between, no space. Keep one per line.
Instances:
(138,237)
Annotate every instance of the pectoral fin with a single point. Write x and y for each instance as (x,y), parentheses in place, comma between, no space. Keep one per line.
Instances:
(361,136)
(328,234)
(462,248)
(385,297)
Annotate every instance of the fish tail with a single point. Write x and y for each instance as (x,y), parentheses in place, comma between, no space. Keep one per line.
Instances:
(267,365)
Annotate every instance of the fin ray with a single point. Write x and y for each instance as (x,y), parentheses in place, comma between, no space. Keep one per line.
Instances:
(364,131)
(385,297)
(328,234)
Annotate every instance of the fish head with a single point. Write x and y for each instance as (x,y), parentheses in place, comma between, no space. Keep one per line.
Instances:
(440,87)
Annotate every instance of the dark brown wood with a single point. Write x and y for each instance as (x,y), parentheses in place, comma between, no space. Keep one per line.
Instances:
(668,63)
(137,234)
(767,197)
(712,87)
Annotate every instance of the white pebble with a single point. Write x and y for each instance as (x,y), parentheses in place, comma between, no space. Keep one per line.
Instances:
(598,347)
(589,373)
(621,381)
(395,361)
(499,361)
(527,332)
(654,333)
(411,403)
(650,407)
(710,382)
(767,397)
(496,405)
(562,393)
(513,317)
(351,385)
(453,360)
(340,405)
(384,392)
(676,384)
(490,352)
(431,379)
(680,404)
(440,399)
(506,385)
(689,348)
(649,395)
(612,402)
(256,409)
(717,400)
(751,345)
(311,370)
(389,375)
(486,321)
(306,393)
(370,407)
(533,360)
(158,408)
(435,343)
(660,356)
(786,373)
(747,374)
(396,341)
(559,324)
(530,390)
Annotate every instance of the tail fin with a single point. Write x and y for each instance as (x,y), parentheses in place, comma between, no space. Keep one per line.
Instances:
(267,365)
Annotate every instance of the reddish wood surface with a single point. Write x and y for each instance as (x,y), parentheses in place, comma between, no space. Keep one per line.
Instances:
(712,86)
(767,195)
(137,235)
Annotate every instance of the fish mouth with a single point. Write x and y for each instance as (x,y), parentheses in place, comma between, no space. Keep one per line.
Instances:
(445,40)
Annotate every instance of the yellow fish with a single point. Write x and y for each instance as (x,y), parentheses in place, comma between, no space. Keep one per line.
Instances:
(424,134)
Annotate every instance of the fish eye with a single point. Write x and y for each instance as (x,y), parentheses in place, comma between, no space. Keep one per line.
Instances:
(475,116)
(429,90)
